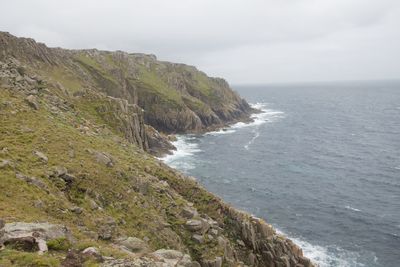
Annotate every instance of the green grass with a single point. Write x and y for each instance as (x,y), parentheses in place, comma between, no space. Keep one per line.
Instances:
(26,259)
(59,244)
(98,72)
(66,79)
(156,84)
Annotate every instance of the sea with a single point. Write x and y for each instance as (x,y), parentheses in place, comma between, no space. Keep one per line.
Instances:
(321,163)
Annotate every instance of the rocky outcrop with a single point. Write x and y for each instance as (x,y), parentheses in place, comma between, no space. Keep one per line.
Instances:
(162,257)
(31,236)
(125,118)
(267,247)
(159,144)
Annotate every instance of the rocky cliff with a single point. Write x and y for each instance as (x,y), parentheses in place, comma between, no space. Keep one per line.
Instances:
(78,187)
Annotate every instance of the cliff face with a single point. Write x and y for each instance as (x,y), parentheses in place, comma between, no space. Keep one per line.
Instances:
(177,98)
(72,139)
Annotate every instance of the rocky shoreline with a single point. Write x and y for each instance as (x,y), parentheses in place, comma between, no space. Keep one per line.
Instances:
(81,188)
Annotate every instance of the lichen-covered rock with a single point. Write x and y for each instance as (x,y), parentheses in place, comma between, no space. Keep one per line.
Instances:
(32,101)
(41,156)
(32,180)
(32,236)
(92,252)
(133,244)
(194,225)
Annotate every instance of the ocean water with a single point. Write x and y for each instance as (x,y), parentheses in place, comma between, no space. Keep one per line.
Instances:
(321,164)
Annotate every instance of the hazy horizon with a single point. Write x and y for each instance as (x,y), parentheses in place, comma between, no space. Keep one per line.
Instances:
(257,42)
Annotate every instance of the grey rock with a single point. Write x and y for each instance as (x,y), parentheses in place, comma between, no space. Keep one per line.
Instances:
(32,101)
(33,181)
(41,156)
(240,243)
(105,232)
(93,205)
(103,158)
(76,209)
(62,172)
(32,236)
(214,232)
(144,187)
(189,212)
(194,225)
(4,151)
(198,238)
(38,204)
(133,244)
(92,252)
(5,164)
(106,229)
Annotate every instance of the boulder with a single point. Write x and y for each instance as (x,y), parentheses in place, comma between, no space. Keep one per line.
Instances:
(76,209)
(133,244)
(32,180)
(32,236)
(93,204)
(92,252)
(106,229)
(5,164)
(32,101)
(103,158)
(62,173)
(41,156)
(194,225)
(105,232)
(188,212)
(198,238)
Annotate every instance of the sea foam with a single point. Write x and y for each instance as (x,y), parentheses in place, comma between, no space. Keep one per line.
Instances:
(266,115)
(185,147)
(325,256)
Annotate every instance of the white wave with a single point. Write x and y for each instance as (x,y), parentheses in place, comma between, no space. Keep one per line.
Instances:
(324,256)
(257,134)
(266,115)
(351,208)
(397,167)
(221,131)
(184,149)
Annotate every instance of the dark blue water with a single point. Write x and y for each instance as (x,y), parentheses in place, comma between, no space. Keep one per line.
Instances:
(322,164)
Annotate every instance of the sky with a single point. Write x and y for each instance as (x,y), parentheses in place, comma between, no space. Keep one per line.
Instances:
(243,41)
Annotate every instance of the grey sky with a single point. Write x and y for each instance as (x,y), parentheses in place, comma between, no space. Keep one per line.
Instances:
(251,41)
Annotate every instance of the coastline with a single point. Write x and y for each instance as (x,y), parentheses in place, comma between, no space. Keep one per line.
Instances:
(227,129)
(171,139)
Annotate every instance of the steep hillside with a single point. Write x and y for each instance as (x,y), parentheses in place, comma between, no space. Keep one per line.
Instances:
(177,98)
(77,185)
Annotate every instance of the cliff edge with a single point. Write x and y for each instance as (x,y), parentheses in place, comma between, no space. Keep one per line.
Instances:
(78,185)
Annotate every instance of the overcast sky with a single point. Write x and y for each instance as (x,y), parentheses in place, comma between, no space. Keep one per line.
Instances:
(244,41)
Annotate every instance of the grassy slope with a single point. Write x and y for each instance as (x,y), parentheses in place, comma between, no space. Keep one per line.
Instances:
(57,135)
